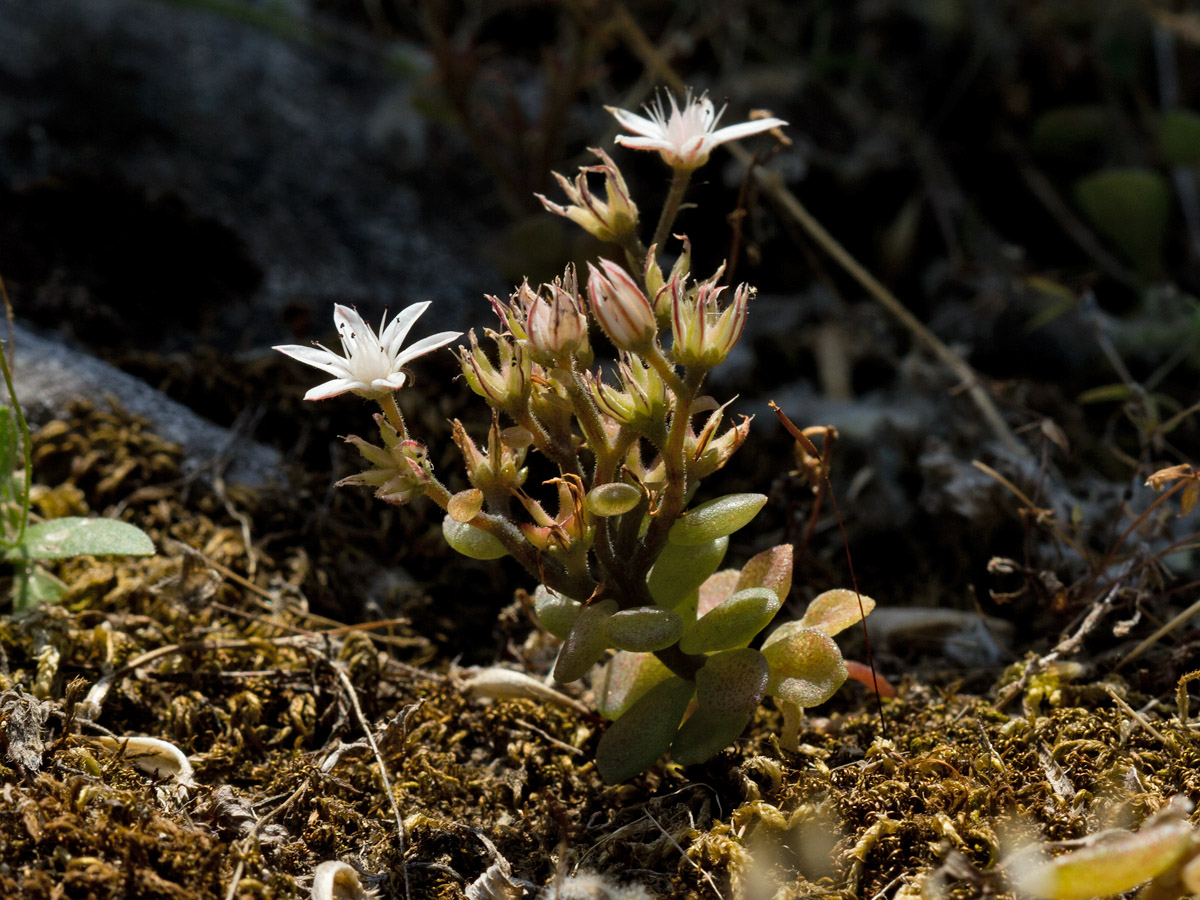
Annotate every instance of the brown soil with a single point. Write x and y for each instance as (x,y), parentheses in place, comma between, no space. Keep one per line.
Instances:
(213,645)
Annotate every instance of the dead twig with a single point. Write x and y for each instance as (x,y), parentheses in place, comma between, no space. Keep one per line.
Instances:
(1064,647)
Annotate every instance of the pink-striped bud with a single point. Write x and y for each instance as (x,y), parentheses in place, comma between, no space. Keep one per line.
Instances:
(620,307)
(555,324)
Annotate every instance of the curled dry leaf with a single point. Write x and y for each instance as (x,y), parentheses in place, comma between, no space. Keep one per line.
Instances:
(334,880)
(155,757)
(1185,472)
(495,683)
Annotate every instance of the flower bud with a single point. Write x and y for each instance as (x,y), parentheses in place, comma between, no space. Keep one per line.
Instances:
(659,290)
(505,386)
(620,307)
(641,402)
(500,469)
(555,324)
(704,334)
(614,220)
(400,468)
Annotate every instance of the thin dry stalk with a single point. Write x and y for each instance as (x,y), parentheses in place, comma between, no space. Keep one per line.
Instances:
(340,671)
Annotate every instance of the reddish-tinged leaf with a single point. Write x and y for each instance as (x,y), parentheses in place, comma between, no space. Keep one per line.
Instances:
(716,590)
(806,665)
(836,610)
(770,569)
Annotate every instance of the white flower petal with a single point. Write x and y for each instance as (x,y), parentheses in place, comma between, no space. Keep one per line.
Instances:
(686,135)
(427,345)
(397,330)
(638,124)
(393,382)
(349,323)
(372,365)
(323,359)
(333,388)
(645,143)
(745,129)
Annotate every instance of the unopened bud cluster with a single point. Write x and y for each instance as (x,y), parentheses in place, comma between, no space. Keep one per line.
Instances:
(627,563)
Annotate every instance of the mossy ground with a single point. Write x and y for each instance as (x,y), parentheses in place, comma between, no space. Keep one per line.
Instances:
(213,645)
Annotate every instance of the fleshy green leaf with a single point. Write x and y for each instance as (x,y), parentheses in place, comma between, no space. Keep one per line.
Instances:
(734,623)
(624,679)
(33,585)
(1130,208)
(644,629)
(1107,393)
(680,570)
(728,691)
(635,741)
(716,518)
(770,569)
(470,541)
(555,612)
(586,642)
(463,506)
(716,590)
(1179,137)
(836,610)
(79,536)
(613,499)
(806,665)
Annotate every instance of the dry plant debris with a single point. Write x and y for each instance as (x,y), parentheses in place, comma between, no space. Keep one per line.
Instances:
(210,646)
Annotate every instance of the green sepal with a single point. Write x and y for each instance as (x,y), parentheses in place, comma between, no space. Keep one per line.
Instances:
(716,518)
(634,742)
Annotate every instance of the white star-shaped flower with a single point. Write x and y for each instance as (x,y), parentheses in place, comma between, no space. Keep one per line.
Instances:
(372,366)
(685,137)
